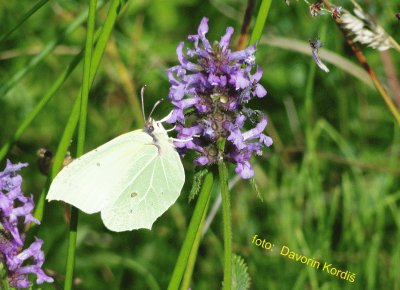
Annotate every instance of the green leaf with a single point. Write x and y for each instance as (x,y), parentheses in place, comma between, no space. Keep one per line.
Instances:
(197,182)
(240,275)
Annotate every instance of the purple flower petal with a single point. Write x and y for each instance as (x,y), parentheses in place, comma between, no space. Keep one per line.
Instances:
(245,170)
(266,140)
(224,42)
(202,31)
(255,132)
(259,91)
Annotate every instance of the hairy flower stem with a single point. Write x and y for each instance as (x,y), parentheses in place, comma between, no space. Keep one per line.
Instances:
(226,216)
(361,58)
(194,227)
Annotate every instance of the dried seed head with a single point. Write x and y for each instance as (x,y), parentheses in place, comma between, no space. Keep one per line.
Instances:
(364,29)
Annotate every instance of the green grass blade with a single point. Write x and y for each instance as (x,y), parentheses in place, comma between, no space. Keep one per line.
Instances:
(86,84)
(260,21)
(25,17)
(187,278)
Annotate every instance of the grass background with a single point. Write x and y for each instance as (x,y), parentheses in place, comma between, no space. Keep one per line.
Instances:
(329,184)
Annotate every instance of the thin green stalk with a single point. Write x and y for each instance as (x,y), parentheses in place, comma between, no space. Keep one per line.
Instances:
(69,274)
(86,84)
(226,213)
(193,253)
(260,21)
(25,17)
(194,228)
(226,218)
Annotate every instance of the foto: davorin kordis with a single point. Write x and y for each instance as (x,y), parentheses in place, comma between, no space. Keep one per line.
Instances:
(328,268)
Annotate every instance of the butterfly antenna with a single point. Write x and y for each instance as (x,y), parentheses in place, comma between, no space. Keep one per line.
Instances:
(155,106)
(142,97)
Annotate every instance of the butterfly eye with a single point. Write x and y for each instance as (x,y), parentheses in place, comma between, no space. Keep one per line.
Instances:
(151,128)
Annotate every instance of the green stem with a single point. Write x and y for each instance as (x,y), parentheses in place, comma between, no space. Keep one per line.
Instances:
(226,212)
(194,228)
(260,21)
(69,275)
(226,217)
(86,78)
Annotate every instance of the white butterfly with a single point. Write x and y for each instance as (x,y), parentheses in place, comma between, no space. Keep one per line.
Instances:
(132,179)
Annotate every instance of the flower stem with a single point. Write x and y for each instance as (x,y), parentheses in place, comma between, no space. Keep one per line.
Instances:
(226,217)
(86,83)
(69,273)
(194,227)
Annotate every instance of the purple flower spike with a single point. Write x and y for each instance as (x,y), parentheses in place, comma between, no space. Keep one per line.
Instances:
(209,90)
(16,209)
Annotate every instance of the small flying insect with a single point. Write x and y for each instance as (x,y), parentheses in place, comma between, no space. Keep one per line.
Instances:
(315,45)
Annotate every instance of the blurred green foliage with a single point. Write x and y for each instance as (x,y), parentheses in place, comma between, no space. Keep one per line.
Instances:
(330,187)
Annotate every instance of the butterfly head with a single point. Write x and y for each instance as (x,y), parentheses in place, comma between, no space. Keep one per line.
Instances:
(155,129)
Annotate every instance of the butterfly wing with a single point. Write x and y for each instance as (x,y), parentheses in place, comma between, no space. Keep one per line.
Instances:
(149,195)
(99,177)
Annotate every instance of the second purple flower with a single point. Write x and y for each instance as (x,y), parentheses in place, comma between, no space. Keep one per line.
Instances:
(209,90)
